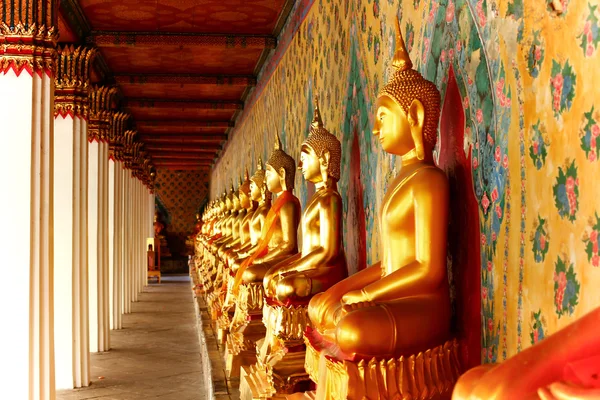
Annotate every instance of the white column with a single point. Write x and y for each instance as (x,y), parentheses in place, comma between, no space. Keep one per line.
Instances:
(148,219)
(27,297)
(135,245)
(141,239)
(93,239)
(70,140)
(103,266)
(81,291)
(111,240)
(117,303)
(127,244)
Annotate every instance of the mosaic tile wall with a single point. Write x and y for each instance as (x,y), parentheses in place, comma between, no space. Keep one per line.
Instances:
(181,193)
(527,73)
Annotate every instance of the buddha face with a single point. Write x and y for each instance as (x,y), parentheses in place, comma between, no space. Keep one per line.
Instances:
(244,200)
(392,127)
(255,193)
(228,204)
(236,203)
(310,165)
(273,180)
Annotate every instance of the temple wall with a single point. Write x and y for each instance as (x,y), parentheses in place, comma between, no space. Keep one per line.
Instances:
(528,81)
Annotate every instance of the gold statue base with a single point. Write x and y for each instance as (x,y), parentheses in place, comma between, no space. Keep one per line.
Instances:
(245,330)
(427,375)
(223,323)
(279,369)
(240,348)
(260,381)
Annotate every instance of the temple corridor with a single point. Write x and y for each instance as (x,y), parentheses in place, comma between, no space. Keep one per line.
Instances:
(157,353)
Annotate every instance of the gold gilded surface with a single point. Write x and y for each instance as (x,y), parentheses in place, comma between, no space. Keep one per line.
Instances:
(426,375)
(283,241)
(401,305)
(322,262)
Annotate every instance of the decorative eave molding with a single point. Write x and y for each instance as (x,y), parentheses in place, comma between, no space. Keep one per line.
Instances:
(102,102)
(30,47)
(72,81)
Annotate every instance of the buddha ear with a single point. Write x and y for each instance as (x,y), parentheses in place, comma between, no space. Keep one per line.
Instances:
(416,117)
(416,113)
(282,176)
(324,158)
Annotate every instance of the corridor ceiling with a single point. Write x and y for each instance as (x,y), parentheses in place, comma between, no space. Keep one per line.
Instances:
(183,68)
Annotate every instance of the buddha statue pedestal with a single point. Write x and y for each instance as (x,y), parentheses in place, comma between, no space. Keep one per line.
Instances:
(279,369)
(426,375)
(245,330)
(225,314)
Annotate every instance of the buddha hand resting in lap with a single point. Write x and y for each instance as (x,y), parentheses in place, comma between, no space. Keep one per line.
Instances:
(279,236)
(322,262)
(401,305)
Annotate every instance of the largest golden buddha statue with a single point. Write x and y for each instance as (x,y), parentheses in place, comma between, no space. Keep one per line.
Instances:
(400,307)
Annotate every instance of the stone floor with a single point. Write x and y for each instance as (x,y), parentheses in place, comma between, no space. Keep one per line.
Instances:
(156,355)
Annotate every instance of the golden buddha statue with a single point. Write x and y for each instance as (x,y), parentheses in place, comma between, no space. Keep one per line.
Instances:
(322,261)
(563,366)
(238,213)
(226,226)
(399,307)
(246,327)
(212,242)
(231,234)
(262,197)
(290,284)
(279,240)
(249,206)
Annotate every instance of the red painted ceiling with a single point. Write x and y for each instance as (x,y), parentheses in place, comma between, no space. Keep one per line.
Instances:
(183,69)
(205,16)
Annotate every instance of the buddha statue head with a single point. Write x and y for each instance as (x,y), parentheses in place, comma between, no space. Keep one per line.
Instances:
(230,202)
(244,191)
(223,204)
(321,153)
(258,185)
(281,170)
(407,109)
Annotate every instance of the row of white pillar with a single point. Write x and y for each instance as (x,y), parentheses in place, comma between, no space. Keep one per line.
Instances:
(119,219)
(73,246)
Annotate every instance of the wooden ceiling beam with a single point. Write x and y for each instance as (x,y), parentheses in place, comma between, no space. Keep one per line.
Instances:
(153,39)
(186,79)
(182,161)
(186,122)
(181,139)
(197,148)
(184,104)
(178,167)
(158,156)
